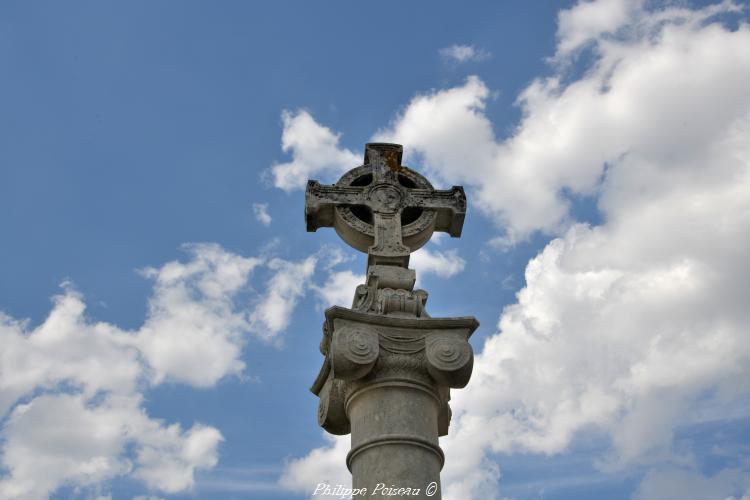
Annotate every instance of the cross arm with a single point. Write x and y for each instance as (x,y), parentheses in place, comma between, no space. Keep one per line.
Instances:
(449,205)
(321,200)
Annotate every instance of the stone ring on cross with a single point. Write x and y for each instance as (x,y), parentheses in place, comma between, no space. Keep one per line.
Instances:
(383,208)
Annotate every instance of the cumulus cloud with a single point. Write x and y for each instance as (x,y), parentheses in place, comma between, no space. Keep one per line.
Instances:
(168,457)
(623,327)
(464,53)
(442,264)
(625,102)
(83,434)
(322,465)
(40,457)
(315,152)
(71,389)
(588,21)
(288,283)
(338,290)
(518,182)
(193,333)
(63,438)
(65,347)
(261,213)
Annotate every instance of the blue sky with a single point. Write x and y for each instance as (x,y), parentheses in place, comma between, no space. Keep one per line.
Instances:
(161,301)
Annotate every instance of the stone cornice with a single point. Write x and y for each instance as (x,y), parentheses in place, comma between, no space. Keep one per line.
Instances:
(337,312)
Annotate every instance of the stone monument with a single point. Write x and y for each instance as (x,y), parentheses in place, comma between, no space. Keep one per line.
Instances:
(389,366)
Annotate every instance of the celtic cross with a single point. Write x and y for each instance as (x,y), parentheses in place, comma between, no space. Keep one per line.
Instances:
(389,366)
(384,208)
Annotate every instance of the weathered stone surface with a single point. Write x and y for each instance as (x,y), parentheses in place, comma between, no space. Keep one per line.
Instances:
(450,359)
(354,350)
(384,208)
(388,365)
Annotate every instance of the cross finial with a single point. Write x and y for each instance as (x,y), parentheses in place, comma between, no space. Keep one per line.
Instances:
(384,158)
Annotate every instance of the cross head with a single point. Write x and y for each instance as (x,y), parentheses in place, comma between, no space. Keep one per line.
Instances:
(384,208)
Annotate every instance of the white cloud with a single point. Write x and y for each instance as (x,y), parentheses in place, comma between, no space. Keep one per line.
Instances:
(71,388)
(625,327)
(289,282)
(443,264)
(569,133)
(68,439)
(517,183)
(40,456)
(168,457)
(587,21)
(444,127)
(315,152)
(193,333)
(449,133)
(65,347)
(464,53)
(339,288)
(326,464)
(332,256)
(261,213)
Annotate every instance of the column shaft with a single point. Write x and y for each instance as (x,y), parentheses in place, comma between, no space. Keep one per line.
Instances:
(395,440)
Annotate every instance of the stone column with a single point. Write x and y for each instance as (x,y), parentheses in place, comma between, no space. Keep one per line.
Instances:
(395,438)
(387,380)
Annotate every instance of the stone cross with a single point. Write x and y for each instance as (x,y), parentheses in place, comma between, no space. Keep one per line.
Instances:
(389,367)
(386,196)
